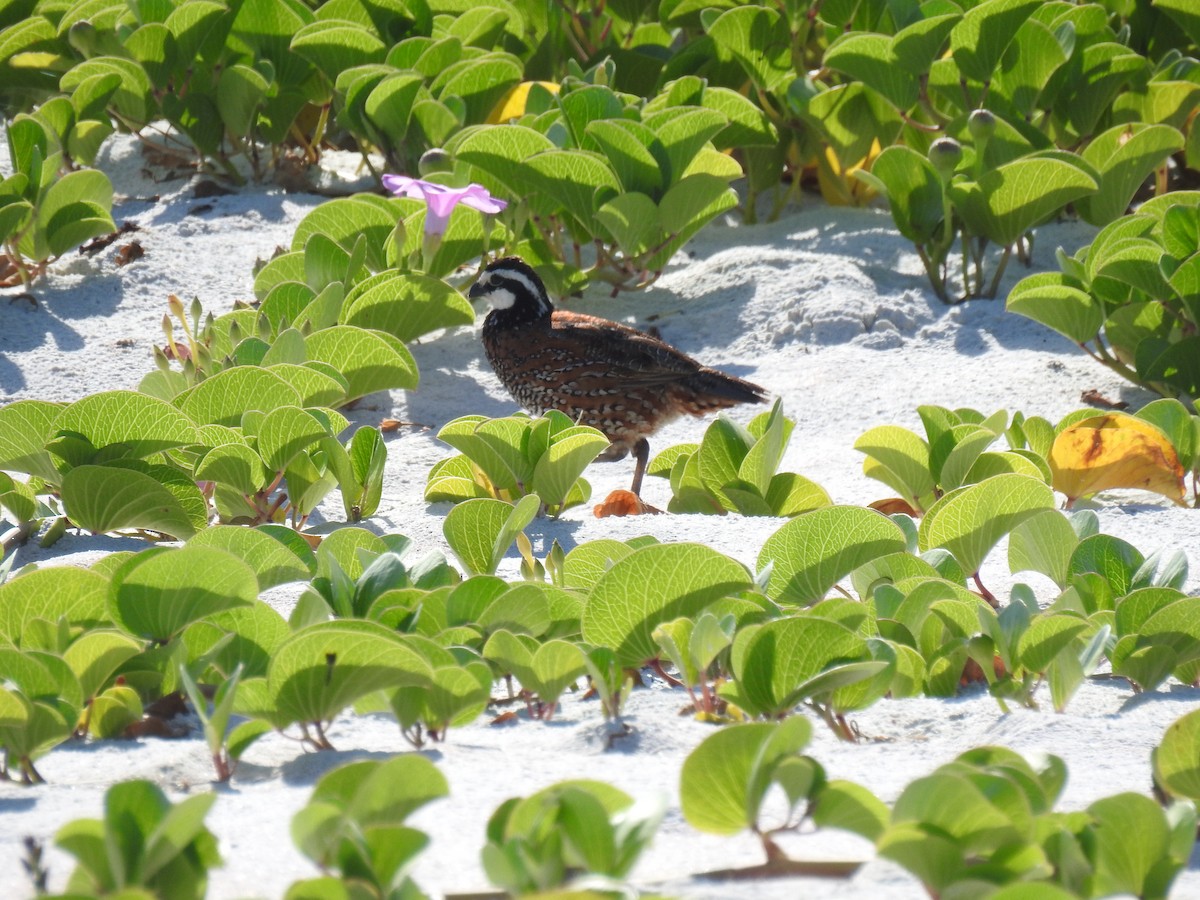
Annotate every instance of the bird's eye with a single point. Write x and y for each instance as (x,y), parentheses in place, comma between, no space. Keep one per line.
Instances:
(494,281)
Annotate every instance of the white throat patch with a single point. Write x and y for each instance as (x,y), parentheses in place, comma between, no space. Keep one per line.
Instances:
(501,298)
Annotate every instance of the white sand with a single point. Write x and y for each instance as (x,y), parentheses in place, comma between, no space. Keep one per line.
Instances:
(828,308)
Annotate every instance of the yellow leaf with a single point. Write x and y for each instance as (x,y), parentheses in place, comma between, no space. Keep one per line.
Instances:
(1115,450)
(839,187)
(512,104)
(32,59)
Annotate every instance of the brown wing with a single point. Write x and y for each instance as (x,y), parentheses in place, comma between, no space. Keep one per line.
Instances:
(618,351)
(638,362)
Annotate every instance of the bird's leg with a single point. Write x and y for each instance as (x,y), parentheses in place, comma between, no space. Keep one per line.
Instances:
(641,453)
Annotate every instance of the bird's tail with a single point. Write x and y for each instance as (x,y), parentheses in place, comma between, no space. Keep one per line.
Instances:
(721,386)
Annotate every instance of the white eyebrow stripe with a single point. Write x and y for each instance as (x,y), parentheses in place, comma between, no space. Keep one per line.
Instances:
(520,278)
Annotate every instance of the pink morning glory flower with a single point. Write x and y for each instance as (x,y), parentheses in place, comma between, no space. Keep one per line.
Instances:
(441,200)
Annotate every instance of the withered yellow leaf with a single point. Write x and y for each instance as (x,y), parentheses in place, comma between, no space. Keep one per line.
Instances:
(838,186)
(1115,450)
(512,104)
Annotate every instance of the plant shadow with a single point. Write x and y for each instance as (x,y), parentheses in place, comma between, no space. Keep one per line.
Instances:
(307,768)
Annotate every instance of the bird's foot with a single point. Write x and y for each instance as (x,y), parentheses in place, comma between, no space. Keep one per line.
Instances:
(623,503)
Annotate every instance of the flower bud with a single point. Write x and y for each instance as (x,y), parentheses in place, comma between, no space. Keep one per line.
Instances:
(945,153)
(435,159)
(982,124)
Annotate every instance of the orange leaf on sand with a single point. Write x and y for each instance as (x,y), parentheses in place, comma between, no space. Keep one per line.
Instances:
(622,503)
(1115,450)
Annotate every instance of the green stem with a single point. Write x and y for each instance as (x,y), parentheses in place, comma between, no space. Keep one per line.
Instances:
(995,285)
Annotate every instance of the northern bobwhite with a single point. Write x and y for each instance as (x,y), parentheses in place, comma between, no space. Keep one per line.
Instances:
(615,378)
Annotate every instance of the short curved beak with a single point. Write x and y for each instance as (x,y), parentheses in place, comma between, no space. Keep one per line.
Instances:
(476,290)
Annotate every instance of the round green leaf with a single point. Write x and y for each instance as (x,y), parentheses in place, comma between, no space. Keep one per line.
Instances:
(969,520)
(1051,299)
(273,562)
(108,498)
(783,661)
(323,668)
(815,550)
(723,781)
(1177,760)
(369,360)
(406,306)
(223,398)
(57,592)
(157,594)
(144,424)
(654,585)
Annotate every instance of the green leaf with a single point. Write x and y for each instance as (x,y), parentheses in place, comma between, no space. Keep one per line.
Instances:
(273,561)
(936,821)
(25,428)
(914,191)
(1114,559)
(905,458)
(1056,302)
(1177,759)
(223,398)
(74,209)
(1105,68)
(240,91)
(475,86)
(59,592)
(285,432)
(968,521)
(653,585)
(1043,543)
(1047,637)
(235,465)
(345,219)
(850,807)
(633,221)
(325,667)
(556,665)
(689,205)
(405,306)
(629,147)
(558,469)
(502,153)
(336,45)
(980,38)
(757,39)
(1009,200)
(1131,841)
(143,424)
(802,657)
(1125,156)
(480,531)
(107,498)
(685,136)
(369,360)
(870,58)
(157,594)
(95,655)
(130,99)
(574,179)
(815,550)
(1184,14)
(724,780)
